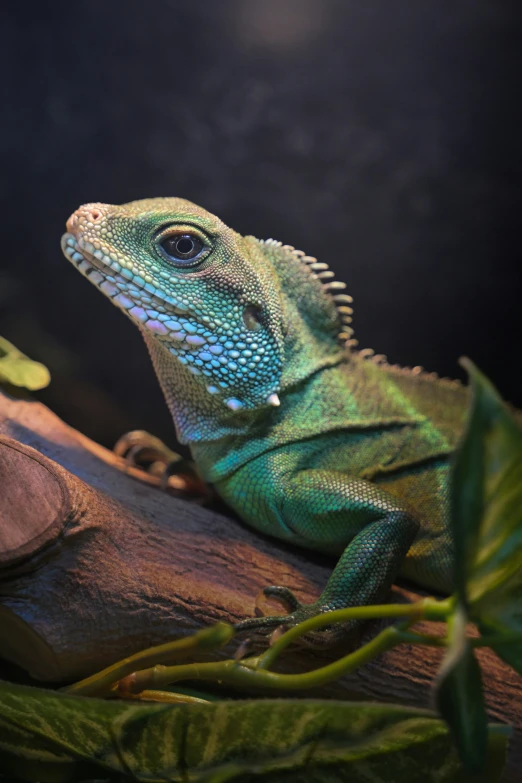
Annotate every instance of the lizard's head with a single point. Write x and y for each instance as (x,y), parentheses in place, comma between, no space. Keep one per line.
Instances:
(190,282)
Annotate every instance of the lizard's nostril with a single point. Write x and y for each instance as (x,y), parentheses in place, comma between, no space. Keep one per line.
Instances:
(88,213)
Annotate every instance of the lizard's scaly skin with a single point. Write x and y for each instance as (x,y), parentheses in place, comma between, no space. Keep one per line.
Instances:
(354,459)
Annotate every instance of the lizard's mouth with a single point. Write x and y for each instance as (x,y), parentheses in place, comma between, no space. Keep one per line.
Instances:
(106,274)
(97,268)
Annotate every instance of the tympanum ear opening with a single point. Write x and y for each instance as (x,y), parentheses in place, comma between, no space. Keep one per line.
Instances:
(252,317)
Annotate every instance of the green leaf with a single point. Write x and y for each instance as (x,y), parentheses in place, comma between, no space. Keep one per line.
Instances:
(24,757)
(235,740)
(19,370)
(460,698)
(486,512)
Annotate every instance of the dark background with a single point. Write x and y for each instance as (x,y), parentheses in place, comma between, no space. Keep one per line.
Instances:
(382,136)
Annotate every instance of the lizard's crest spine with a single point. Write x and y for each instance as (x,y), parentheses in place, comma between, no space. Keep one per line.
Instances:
(334,290)
(334,293)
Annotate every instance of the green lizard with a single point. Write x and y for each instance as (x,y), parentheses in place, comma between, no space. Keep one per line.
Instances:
(305,437)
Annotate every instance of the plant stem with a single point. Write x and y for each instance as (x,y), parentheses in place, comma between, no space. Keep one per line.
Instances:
(430,640)
(247,673)
(425,609)
(495,639)
(102,683)
(166,697)
(148,663)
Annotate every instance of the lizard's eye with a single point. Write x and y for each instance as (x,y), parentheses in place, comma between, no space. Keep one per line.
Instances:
(182,248)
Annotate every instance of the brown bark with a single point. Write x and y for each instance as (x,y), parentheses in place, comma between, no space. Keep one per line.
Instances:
(95,565)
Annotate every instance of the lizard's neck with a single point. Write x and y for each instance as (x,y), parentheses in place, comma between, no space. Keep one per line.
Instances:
(312,319)
(197,415)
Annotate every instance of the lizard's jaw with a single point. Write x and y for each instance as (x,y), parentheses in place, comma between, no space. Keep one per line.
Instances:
(150,312)
(104,273)
(117,284)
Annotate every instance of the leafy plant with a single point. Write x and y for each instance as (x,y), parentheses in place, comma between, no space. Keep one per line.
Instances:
(231,740)
(486,518)
(49,736)
(17,369)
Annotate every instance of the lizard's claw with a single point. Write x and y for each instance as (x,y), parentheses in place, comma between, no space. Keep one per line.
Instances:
(263,622)
(146,452)
(298,612)
(141,449)
(282,594)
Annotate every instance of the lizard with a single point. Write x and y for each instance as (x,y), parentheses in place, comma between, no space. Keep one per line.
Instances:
(304,436)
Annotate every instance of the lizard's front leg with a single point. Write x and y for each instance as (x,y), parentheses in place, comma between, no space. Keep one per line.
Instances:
(330,511)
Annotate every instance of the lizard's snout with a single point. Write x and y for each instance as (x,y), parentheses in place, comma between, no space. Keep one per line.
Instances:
(87,215)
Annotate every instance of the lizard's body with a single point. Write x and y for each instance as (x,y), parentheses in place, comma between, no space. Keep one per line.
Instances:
(306,438)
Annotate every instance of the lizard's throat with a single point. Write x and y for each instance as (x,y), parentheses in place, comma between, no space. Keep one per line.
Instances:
(198,417)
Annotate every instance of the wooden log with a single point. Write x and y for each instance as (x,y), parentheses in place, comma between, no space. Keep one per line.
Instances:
(95,565)
(32,510)
(130,566)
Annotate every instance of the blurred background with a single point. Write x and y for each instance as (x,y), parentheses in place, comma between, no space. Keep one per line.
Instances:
(382,137)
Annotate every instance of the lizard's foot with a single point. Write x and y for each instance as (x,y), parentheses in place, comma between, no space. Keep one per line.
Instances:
(146,452)
(143,450)
(297,613)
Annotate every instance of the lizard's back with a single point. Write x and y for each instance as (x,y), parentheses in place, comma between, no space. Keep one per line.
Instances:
(410,460)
